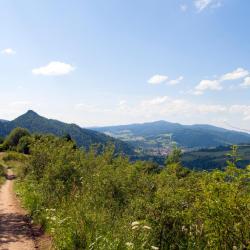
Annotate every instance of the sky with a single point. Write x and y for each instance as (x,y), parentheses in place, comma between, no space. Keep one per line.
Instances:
(96,62)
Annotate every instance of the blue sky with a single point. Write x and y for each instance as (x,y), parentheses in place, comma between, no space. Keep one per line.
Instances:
(116,62)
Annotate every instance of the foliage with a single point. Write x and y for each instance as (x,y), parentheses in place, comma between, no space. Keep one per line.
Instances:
(174,157)
(23,145)
(87,200)
(14,137)
(209,159)
(2,172)
(14,156)
(1,139)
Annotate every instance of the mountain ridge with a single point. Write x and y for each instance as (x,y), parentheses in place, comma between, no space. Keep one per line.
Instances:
(190,136)
(83,137)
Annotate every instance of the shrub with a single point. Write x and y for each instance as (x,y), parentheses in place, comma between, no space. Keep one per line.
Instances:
(13,138)
(24,145)
(1,139)
(14,156)
(87,200)
(2,173)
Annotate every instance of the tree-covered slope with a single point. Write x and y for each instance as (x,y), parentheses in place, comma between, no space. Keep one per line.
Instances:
(190,136)
(83,137)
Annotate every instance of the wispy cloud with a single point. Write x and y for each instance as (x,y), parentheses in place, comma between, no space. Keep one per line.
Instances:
(158,79)
(8,51)
(246,83)
(201,5)
(183,7)
(54,69)
(175,81)
(244,110)
(207,85)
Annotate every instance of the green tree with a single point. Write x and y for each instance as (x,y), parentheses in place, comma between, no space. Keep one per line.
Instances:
(13,138)
(1,139)
(24,145)
(174,156)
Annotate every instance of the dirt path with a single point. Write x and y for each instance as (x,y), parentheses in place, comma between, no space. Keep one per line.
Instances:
(15,233)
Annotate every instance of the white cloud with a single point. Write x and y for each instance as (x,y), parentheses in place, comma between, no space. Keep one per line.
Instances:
(155,101)
(211,108)
(207,85)
(217,83)
(241,109)
(183,7)
(164,105)
(203,4)
(8,51)
(176,81)
(246,83)
(54,69)
(166,108)
(234,75)
(158,79)
(122,102)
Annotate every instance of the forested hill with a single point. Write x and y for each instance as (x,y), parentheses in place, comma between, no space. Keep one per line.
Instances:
(83,137)
(191,136)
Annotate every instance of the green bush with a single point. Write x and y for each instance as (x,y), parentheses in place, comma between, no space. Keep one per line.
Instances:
(14,156)
(1,139)
(23,145)
(90,201)
(2,173)
(13,138)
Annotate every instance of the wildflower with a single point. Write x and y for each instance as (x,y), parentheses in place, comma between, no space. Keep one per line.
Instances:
(134,227)
(53,218)
(129,244)
(155,248)
(135,223)
(147,227)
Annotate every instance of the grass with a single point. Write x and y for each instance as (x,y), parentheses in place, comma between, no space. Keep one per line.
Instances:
(2,169)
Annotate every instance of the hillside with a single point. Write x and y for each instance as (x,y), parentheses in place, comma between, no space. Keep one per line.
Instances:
(160,135)
(208,159)
(83,137)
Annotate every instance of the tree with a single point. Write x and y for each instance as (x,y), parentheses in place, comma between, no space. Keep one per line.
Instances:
(174,157)
(1,139)
(13,138)
(24,145)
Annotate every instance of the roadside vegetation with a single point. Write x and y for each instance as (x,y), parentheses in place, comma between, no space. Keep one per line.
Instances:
(93,200)
(2,173)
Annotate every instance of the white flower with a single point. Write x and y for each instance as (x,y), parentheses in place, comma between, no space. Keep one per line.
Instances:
(134,227)
(155,248)
(135,223)
(129,244)
(147,227)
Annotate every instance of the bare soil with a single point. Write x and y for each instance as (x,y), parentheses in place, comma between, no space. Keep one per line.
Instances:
(16,231)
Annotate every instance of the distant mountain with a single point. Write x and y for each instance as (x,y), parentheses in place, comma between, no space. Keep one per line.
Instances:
(155,136)
(83,137)
(1,120)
